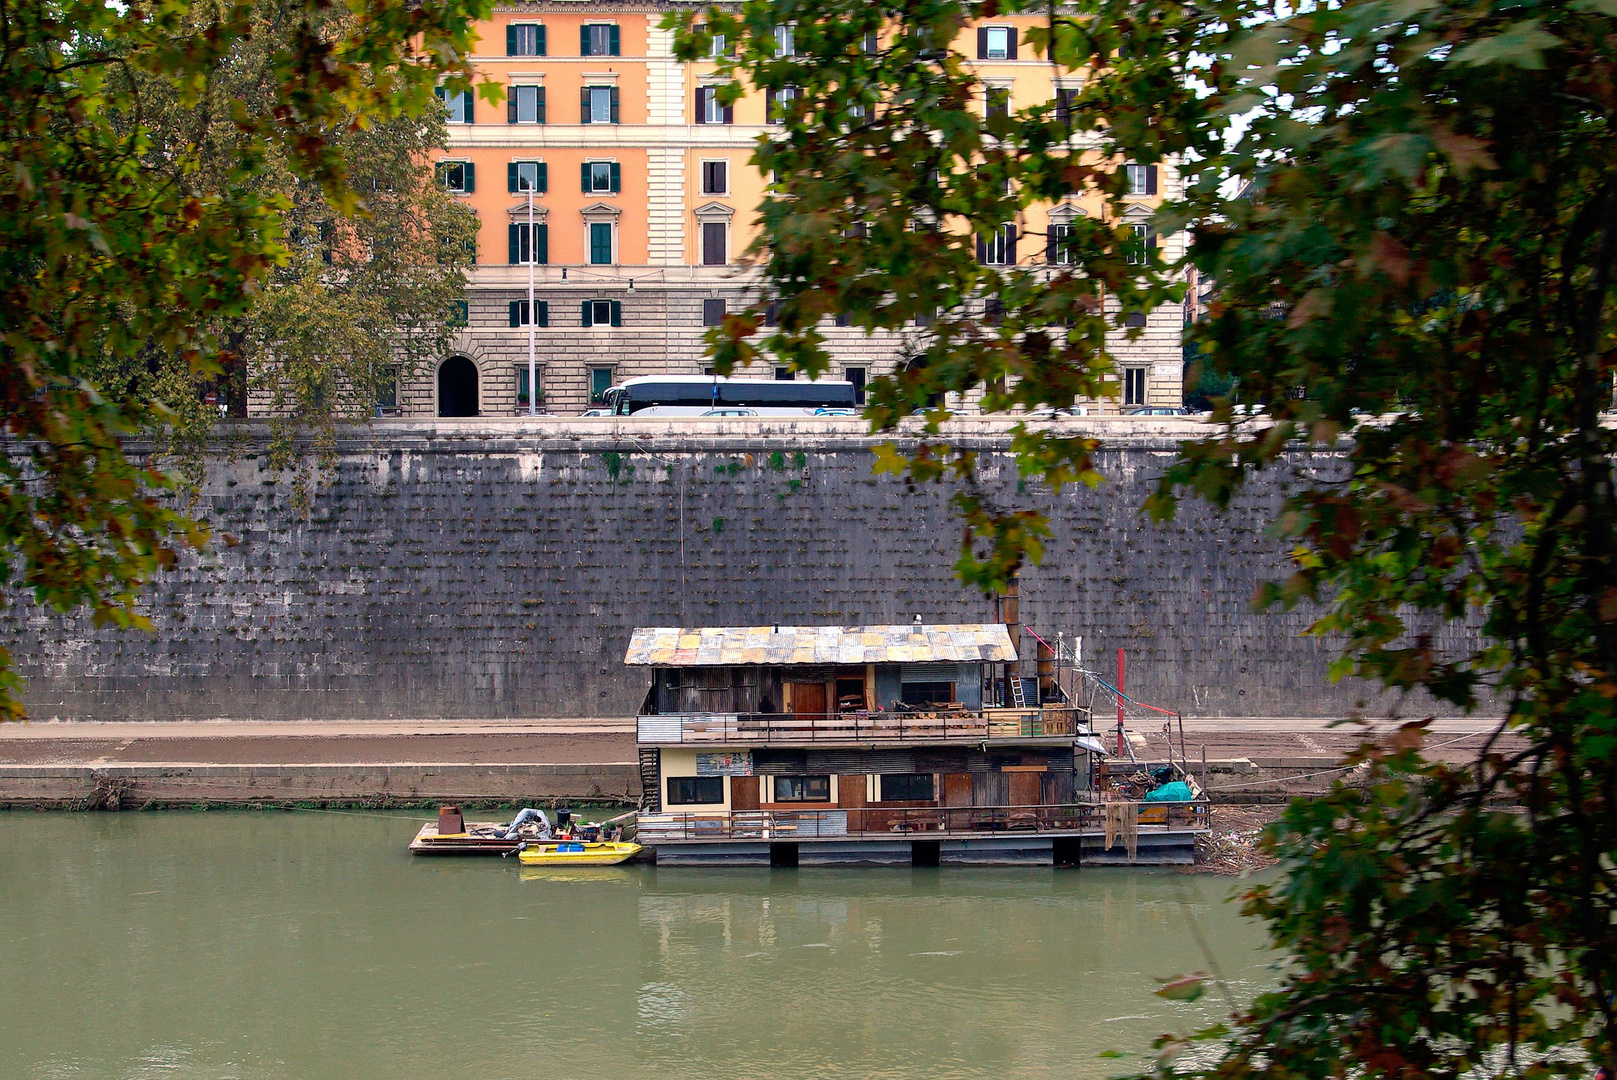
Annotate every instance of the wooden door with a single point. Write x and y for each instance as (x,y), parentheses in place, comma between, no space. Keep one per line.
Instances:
(1025,788)
(957,789)
(851,797)
(743,793)
(808,699)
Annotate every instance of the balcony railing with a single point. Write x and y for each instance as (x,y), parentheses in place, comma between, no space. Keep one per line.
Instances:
(796,728)
(924,822)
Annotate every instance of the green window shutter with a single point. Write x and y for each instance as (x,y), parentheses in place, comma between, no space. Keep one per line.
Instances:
(516,313)
(613,48)
(540,94)
(614,97)
(510,46)
(584,177)
(512,240)
(471,178)
(585,314)
(584,105)
(617,177)
(543,184)
(584,40)
(511,105)
(541,41)
(617,313)
(1151,180)
(511,176)
(541,244)
(544,313)
(471,104)
(443,94)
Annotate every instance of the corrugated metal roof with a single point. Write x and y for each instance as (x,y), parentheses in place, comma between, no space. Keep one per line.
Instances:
(710,646)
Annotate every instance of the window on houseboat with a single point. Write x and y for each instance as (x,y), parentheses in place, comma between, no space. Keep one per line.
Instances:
(802,789)
(928,693)
(689,790)
(901,787)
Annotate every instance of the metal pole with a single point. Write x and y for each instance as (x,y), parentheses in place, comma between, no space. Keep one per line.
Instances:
(1120,703)
(533,315)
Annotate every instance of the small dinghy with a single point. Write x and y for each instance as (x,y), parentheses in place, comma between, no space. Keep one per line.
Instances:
(576,853)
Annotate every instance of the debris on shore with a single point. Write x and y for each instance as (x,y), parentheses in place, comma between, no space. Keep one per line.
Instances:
(1231,845)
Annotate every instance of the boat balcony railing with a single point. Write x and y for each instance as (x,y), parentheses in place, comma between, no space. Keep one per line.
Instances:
(924,822)
(920,725)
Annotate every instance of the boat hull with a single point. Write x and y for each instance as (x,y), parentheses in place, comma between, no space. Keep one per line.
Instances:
(591,854)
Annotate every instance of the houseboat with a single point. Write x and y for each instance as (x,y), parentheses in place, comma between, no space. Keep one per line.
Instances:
(910,744)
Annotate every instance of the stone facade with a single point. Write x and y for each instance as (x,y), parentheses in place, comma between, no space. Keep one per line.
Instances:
(476,569)
(655,206)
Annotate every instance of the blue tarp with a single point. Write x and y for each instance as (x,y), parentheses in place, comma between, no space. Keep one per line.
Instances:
(1178,791)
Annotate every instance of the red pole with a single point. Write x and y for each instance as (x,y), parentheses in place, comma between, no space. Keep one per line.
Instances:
(1120,703)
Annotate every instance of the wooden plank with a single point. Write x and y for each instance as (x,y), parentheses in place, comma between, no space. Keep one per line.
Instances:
(743,793)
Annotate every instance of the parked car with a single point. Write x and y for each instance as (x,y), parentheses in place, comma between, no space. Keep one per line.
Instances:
(1160,410)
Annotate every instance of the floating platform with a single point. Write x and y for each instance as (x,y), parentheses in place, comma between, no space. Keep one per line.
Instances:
(1165,847)
(480,838)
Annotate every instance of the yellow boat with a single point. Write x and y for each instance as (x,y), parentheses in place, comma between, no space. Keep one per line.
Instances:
(576,853)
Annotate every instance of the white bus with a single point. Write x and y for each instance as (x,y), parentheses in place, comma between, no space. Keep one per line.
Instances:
(715,395)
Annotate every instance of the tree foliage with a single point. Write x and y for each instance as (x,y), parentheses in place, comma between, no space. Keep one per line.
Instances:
(126,239)
(1410,211)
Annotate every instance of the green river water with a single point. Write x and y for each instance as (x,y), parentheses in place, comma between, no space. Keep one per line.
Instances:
(308,945)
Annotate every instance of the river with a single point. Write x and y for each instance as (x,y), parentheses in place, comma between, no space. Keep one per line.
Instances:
(309,945)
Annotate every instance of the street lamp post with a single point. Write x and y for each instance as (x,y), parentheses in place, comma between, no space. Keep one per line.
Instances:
(533,314)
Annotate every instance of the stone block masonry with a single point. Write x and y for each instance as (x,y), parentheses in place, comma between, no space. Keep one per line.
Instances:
(481,569)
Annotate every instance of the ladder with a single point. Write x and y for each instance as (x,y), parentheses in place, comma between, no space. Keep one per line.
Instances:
(650,781)
(1018,697)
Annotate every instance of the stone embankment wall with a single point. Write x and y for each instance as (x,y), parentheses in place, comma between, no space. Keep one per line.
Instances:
(479,569)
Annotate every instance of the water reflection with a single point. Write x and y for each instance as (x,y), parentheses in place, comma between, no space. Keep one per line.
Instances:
(301,947)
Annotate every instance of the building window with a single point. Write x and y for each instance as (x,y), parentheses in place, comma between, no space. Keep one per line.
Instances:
(709,110)
(856,375)
(785,45)
(905,787)
(926,318)
(1139,243)
(695,790)
(600,383)
(598,105)
(1060,252)
(519,313)
(1142,179)
(715,243)
(599,39)
(525,105)
(522,387)
(387,393)
(872,45)
(458,103)
(997,248)
(996,43)
(522,177)
(460,313)
(1134,318)
(524,39)
(1065,102)
(712,312)
(999,103)
(785,374)
(602,313)
(602,178)
(776,102)
(601,243)
(1134,386)
(525,247)
(802,789)
(458,177)
(993,311)
(715,178)
(717,45)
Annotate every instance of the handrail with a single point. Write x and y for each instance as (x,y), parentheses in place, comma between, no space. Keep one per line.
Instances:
(894,821)
(855,726)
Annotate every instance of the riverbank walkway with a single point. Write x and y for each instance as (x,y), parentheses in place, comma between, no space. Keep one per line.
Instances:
(246,761)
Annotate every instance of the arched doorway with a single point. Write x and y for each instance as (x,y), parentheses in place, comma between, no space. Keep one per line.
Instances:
(457,387)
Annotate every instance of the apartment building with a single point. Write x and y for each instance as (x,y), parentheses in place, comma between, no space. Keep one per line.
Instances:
(615,177)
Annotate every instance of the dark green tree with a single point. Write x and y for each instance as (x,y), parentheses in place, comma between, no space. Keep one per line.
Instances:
(1415,285)
(110,251)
